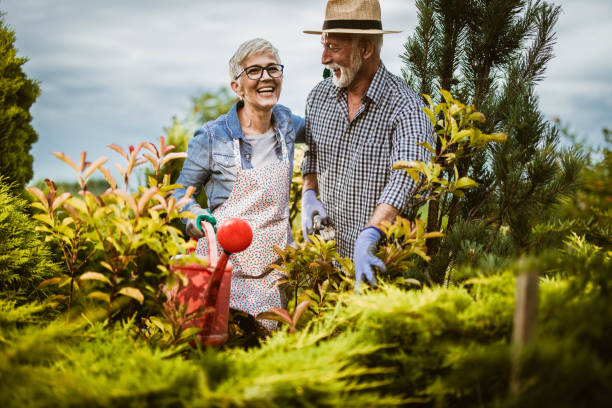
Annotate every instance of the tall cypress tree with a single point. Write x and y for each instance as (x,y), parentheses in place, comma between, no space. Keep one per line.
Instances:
(493,53)
(17,94)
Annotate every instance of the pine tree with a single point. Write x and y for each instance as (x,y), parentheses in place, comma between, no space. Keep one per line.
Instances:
(492,54)
(17,94)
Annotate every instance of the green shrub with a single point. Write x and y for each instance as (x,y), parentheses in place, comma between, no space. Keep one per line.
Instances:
(388,347)
(25,260)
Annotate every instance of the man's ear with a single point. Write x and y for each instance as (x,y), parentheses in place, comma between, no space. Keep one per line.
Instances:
(366,47)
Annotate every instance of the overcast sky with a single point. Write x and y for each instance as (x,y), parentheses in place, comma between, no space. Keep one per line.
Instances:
(116,71)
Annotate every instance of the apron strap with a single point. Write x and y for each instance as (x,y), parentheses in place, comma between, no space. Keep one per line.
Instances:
(237,156)
(283,143)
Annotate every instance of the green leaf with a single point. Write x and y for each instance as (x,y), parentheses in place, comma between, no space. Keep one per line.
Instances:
(134,293)
(95,276)
(428,147)
(477,117)
(99,295)
(497,137)
(422,254)
(462,134)
(188,333)
(65,280)
(430,115)
(448,98)
(43,218)
(159,323)
(408,281)
(433,234)
(152,181)
(47,282)
(465,182)
(171,187)
(77,203)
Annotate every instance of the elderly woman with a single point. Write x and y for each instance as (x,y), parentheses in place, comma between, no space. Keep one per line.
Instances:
(244,161)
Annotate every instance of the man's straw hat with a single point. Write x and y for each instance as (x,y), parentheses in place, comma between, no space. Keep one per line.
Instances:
(352,17)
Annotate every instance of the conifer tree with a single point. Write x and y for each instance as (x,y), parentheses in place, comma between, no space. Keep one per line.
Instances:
(492,54)
(17,94)
(25,259)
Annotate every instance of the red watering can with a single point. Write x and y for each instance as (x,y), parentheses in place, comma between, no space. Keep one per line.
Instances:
(208,291)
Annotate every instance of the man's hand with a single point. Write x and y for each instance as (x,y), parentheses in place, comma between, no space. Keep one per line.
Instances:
(311,207)
(365,260)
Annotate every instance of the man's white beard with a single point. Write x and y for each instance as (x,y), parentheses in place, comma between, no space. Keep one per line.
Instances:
(347,74)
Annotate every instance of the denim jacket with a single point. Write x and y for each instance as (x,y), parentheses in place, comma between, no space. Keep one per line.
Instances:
(210,159)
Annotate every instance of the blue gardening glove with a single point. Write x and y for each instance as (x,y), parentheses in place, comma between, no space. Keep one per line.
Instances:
(365,260)
(311,207)
(208,217)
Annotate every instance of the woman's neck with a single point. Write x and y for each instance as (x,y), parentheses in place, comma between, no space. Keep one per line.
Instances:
(254,121)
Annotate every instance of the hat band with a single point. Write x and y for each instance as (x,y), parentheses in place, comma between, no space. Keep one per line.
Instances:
(353,24)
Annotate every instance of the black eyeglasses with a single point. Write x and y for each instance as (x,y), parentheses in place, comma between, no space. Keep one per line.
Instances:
(255,72)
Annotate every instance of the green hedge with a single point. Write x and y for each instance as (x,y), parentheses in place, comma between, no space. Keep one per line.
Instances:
(436,347)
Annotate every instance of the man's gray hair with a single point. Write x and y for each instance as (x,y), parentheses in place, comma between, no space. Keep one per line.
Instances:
(247,49)
(377,40)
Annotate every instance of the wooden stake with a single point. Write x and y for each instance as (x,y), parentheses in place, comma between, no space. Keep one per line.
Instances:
(525,311)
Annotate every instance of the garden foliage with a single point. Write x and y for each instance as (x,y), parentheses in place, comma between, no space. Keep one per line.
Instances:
(391,347)
(25,260)
(17,95)
(117,229)
(492,54)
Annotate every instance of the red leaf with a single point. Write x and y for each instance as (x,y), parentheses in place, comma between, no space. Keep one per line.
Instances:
(278,313)
(299,310)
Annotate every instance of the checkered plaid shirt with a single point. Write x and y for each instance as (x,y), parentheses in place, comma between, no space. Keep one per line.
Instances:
(353,160)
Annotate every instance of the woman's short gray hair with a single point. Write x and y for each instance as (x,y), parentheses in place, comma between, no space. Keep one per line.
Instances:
(248,48)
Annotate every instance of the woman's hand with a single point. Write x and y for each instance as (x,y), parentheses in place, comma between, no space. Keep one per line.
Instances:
(194,225)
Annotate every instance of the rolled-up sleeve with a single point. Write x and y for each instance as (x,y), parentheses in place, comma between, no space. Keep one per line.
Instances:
(309,164)
(412,126)
(196,170)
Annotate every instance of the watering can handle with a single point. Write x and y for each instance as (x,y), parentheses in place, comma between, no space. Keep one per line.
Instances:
(211,240)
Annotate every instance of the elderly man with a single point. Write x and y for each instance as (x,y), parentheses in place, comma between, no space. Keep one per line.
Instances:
(358,123)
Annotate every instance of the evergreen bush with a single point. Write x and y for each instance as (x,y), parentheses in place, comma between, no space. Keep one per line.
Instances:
(17,95)
(25,259)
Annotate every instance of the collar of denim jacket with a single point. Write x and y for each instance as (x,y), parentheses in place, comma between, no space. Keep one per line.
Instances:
(233,123)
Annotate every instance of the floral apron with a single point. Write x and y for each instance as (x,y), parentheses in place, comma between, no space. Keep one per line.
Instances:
(259,196)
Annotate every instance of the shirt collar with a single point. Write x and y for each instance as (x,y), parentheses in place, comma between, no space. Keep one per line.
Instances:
(377,86)
(233,123)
